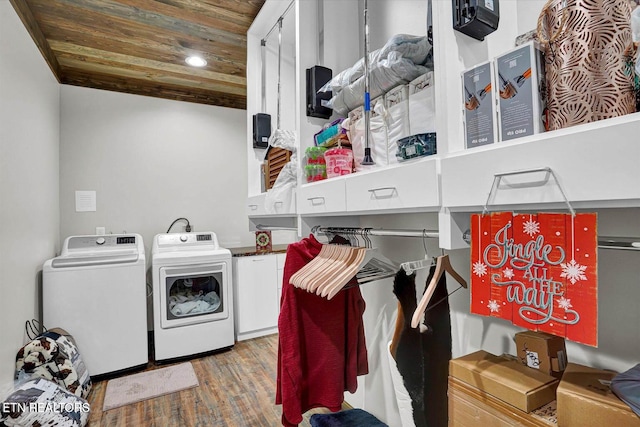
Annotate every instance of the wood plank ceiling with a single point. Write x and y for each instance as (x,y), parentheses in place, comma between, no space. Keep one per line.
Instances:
(140,46)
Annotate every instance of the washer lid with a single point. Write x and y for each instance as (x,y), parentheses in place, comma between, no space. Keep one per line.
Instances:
(88,260)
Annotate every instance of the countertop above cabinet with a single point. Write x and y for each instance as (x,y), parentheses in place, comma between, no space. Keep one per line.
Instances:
(251,251)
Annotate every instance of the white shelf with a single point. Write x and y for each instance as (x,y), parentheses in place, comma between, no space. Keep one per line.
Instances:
(596,164)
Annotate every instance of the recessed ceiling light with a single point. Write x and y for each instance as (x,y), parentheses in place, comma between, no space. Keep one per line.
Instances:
(196,61)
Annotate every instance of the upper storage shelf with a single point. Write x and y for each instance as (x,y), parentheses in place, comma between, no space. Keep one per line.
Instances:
(595,163)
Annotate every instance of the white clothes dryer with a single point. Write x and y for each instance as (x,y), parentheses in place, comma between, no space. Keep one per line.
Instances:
(96,291)
(192,295)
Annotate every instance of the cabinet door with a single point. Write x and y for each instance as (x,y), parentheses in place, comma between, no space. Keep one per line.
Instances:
(280,259)
(256,293)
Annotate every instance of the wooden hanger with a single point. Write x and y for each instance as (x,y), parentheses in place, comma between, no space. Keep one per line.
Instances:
(315,278)
(351,267)
(442,265)
(331,269)
(300,278)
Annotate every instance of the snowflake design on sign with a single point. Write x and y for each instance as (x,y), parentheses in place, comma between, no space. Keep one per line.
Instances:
(564,303)
(493,306)
(508,273)
(479,269)
(531,227)
(573,271)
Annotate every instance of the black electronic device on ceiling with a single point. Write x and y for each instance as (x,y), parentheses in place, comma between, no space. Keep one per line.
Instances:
(476,18)
(261,130)
(318,76)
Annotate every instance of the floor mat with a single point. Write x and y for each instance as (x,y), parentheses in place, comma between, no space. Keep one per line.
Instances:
(146,385)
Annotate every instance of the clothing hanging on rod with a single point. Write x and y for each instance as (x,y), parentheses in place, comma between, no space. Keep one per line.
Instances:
(422,355)
(436,348)
(408,348)
(321,347)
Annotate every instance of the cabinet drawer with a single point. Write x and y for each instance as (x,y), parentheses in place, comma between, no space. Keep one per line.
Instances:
(322,197)
(408,186)
(255,205)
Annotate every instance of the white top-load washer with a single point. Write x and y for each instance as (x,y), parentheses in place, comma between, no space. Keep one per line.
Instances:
(96,291)
(192,295)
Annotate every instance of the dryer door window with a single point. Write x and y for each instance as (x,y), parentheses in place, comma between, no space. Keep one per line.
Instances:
(193,295)
(190,296)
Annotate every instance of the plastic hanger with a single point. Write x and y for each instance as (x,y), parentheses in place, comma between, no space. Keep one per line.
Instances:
(410,266)
(442,265)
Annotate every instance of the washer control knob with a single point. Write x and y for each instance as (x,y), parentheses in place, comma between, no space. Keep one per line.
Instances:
(183,238)
(100,241)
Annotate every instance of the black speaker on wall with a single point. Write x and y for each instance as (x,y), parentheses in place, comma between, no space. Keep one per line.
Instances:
(476,18)
(317,77)
(261,130)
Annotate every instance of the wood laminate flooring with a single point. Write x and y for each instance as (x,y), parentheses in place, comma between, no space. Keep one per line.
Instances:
(237,388)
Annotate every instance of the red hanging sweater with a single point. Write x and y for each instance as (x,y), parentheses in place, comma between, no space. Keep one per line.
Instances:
(321,347)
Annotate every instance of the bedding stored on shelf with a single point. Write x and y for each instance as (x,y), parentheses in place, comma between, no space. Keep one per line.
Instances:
(402,59)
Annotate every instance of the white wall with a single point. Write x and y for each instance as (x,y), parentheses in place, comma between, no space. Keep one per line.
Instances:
(29,214)
(151,161)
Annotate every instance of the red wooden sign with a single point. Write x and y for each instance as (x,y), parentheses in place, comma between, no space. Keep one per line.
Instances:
(537,271)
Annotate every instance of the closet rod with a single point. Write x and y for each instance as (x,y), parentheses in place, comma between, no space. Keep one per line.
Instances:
(621,243)
(377,232)
(264,39)
(261,227)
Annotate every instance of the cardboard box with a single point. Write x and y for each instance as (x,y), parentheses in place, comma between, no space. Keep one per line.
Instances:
(506,379)
(519,77)
(470,407)
(585,399)
(544,352)
(479,105)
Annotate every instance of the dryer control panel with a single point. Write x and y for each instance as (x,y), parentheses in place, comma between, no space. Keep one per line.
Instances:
(83,242)
(178,240)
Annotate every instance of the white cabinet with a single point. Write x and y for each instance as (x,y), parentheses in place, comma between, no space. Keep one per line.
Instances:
(256,302)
